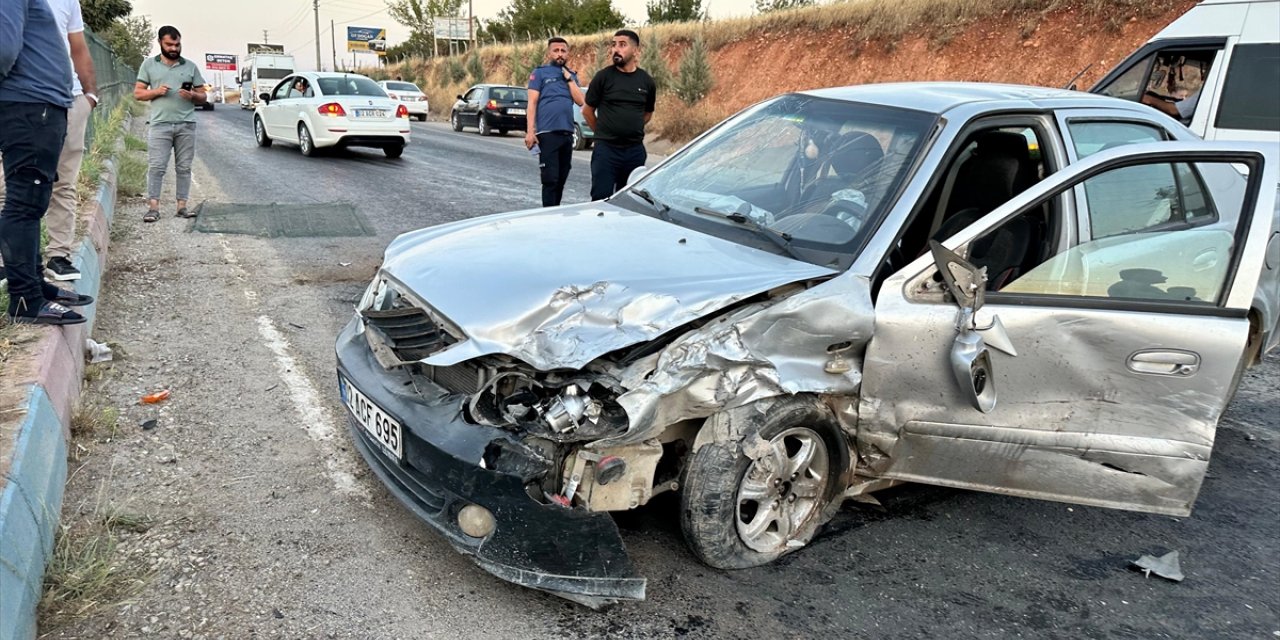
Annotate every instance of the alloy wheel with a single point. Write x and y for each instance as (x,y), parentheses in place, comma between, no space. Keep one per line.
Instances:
(781,490)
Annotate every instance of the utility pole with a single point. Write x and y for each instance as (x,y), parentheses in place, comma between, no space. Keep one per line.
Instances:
(264,37)
(315,5)
(471,24)
(333,46)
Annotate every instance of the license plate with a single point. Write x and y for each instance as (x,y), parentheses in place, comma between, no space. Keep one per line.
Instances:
(516,112)
(384,429)
(371,113)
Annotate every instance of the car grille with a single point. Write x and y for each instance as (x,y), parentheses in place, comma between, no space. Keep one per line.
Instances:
(409,331)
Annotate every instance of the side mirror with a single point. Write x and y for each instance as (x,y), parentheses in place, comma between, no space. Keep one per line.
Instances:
(460,97)
(971,365)
(635,176)
(265,97)
(970,357)
(967,283)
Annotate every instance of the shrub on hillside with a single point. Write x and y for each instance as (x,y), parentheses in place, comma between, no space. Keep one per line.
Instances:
(454,70)
(523,61)
(695,79)
(769,6)
(651,61)
(475,68)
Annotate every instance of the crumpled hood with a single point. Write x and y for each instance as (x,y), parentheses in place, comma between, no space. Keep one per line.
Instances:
(558,288)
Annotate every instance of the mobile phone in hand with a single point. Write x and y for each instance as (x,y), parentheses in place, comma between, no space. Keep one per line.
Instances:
(186,86)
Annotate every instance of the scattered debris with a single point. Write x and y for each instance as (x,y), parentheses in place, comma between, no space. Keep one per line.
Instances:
(272,387)
(167,454)
(297,326)
(148,425)
(277,614)
(96,351)
(157,397)
(344,264)
(1166,566)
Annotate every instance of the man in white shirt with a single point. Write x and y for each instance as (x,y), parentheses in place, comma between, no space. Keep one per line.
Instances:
(60,219)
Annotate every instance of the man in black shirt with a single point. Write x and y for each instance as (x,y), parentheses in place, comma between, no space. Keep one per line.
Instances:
(619,103)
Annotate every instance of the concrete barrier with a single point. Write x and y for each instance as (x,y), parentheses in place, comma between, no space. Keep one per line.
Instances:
(35,470)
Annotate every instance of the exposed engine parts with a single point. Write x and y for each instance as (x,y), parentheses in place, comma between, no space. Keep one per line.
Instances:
(547,405)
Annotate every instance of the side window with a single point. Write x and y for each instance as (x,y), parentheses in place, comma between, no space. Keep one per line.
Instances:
(1090,137)
(474,95)
(282,90)
(1249,95)
(1176,79)
(1129,84)
(1145,197)
(1156,237)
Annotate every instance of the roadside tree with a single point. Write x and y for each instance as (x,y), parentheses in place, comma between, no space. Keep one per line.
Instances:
(538,19)
(651,61)
(676,11)
(695,79)
(769,6)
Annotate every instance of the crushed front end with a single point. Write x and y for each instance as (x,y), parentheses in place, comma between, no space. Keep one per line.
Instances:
(496,493)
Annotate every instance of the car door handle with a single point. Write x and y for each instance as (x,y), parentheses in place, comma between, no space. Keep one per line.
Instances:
(1164,362)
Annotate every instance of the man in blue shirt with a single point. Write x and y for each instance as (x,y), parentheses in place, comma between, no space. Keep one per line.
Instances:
(35,94)
(553,95)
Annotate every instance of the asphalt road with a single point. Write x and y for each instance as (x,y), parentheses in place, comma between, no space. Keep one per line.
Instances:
(267,524)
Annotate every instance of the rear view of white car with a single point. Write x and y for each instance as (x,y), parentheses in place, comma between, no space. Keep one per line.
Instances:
(408,94)
(318,110)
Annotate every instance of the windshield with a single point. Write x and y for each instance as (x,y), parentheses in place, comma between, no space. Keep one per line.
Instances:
(403,86)
(273,74)
(350,86)
(814,172)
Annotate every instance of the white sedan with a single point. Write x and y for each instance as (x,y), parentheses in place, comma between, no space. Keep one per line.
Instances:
(408,94)
(316,110)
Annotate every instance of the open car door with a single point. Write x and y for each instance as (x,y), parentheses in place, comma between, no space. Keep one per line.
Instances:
(1094,371)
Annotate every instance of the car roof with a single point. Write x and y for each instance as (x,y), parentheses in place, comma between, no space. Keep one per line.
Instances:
(495,86)
(941,97)
(328,74)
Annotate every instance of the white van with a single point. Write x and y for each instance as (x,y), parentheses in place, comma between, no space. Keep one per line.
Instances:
(261,73)
(1216,69)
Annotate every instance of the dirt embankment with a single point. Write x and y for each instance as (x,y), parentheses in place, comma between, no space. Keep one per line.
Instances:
(1040,42)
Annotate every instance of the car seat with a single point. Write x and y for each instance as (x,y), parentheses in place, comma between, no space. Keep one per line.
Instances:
(851,155)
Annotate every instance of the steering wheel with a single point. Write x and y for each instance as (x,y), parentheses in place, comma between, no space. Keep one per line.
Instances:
(846,211)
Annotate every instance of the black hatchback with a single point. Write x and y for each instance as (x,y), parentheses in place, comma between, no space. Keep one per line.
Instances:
(490,107)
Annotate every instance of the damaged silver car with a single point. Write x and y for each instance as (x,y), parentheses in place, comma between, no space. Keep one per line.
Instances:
(1034,292)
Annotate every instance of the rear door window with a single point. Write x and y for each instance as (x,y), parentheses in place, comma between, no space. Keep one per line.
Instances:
(1251,96)
(1090,137)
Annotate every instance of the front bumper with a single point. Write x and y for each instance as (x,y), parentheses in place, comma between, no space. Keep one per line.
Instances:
(572,553)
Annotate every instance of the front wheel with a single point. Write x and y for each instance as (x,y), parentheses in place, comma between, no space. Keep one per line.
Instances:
(579,143)
(455,121)
(260,133)
(738,511)
(394,151)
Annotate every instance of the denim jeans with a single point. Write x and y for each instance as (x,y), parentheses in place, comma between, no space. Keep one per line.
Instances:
(31,137)
(611,166)
(170,138)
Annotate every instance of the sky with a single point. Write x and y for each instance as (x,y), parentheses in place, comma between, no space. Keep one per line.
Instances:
(226,26)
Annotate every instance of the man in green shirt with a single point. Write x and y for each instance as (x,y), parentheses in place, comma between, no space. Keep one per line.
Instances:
(173,85)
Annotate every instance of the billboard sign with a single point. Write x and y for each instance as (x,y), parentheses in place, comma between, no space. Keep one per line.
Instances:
(451,28)
(219,62)
(265,48)
(369,39)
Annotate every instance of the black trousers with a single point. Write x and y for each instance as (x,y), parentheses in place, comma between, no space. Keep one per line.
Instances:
(611,165)
(554,158)
(31,137)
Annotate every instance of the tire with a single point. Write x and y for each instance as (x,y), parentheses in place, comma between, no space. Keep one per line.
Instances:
(422,118)
(455,121)
(579,142)
(483,126)
(502,132)
(394,152)
(724,527)
(305,143)
(260,132)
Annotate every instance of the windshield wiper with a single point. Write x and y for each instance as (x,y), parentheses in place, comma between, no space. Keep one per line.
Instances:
(778,238)
(662,209)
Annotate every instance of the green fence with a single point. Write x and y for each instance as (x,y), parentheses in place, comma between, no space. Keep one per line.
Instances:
(115,78)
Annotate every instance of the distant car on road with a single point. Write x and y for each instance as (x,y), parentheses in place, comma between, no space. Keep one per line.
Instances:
(211,96)
(315,110)
(408,94)
(491,107)
(583,135)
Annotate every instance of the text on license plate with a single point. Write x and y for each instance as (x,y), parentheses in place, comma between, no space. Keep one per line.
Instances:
(516,112)
(384,429)
(371,113)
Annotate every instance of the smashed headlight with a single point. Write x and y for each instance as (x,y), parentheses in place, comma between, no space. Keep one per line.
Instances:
(555,407)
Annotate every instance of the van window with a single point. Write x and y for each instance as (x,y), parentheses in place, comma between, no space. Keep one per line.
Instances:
(1169,80)
(273,74)
(1249,96)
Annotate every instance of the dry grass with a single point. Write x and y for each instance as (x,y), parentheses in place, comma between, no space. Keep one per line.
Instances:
(89,420)
(87,571)
(131,181)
